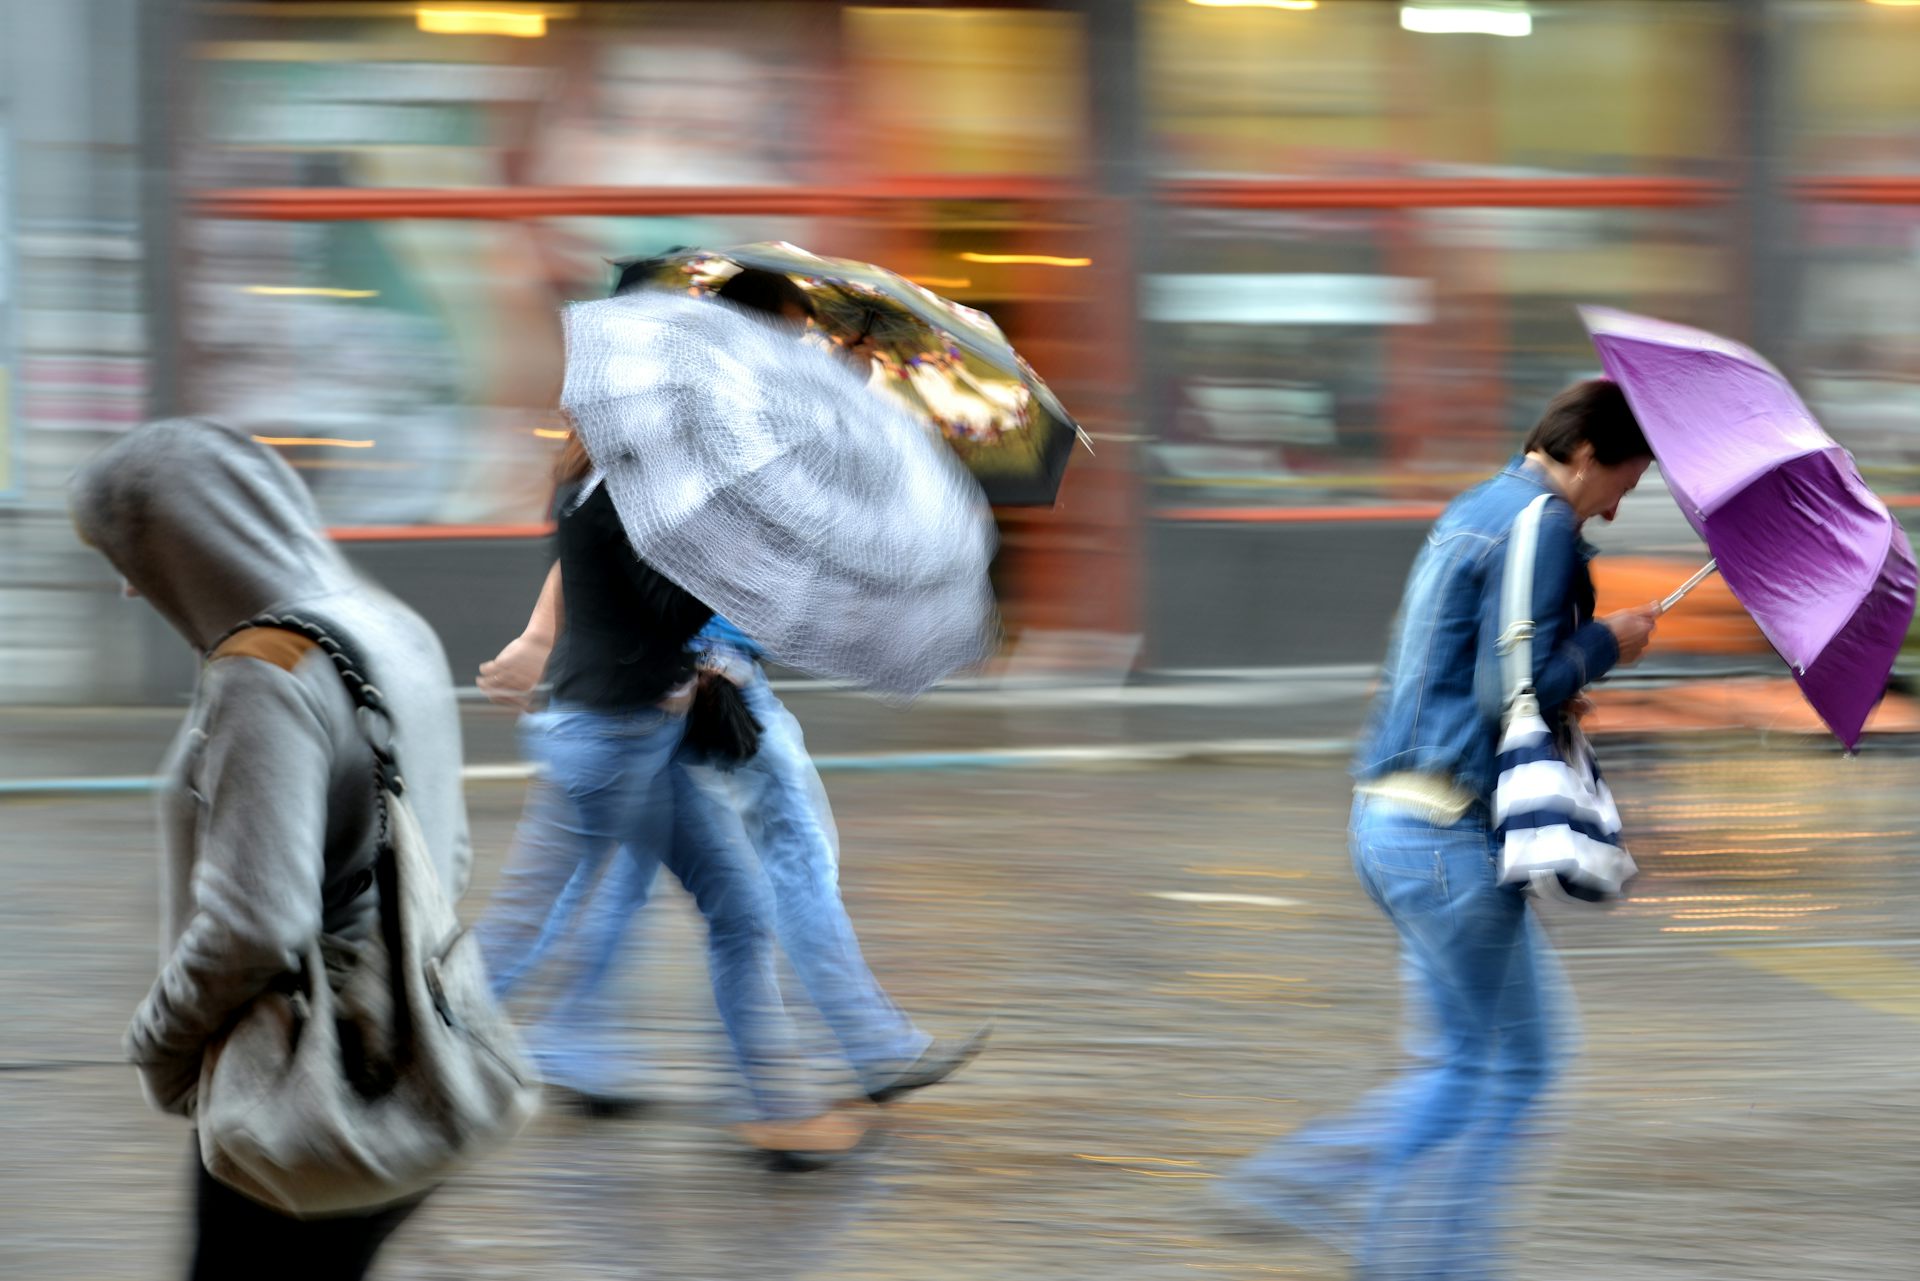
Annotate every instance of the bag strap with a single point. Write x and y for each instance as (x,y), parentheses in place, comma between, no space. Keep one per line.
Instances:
(376,727)
(1516,605)
(370,706)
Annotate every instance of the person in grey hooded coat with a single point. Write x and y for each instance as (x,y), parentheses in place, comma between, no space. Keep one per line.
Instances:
(269,823)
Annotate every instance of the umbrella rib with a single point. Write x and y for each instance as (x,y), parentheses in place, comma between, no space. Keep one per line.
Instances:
(1771,465)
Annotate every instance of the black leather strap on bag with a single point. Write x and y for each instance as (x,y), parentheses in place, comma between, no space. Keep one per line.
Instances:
(376,727)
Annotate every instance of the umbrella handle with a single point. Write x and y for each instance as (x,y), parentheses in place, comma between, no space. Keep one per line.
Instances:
(1707,570)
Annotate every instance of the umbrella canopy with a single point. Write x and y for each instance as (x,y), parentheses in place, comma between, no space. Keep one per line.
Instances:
(947,365)
(755,472)
(1815,557)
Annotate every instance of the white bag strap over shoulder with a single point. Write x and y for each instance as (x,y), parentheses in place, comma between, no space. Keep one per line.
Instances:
(1516,605)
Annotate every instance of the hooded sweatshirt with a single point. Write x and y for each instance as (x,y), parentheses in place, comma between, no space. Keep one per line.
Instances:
(269,819)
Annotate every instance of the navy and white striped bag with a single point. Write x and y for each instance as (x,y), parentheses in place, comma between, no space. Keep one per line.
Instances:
(1558,829)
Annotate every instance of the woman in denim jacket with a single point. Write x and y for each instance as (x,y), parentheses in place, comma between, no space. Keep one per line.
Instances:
(1480,976)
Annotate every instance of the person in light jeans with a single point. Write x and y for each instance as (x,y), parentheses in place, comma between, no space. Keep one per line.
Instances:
(772,805)
(623,688)
(1413,1181)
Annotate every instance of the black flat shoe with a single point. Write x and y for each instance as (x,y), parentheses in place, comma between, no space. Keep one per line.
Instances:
(598,1107)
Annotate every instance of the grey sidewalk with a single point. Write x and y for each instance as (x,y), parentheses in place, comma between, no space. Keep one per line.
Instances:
(1181,968)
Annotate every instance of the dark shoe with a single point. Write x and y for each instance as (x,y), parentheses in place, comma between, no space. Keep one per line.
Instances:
(598,1107)
(807,1143)
(940,1061)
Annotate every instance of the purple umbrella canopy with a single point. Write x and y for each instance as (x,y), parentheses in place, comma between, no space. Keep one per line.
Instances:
(1807,548)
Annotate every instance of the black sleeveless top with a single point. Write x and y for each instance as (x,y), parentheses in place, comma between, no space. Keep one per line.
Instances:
(623,641)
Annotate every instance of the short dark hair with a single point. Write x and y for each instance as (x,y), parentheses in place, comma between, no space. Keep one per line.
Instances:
(766,291)
(1594,412)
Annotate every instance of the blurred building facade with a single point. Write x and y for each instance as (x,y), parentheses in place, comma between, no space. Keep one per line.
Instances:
(1303,269)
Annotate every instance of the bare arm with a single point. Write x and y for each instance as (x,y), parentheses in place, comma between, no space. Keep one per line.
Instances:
(512,675)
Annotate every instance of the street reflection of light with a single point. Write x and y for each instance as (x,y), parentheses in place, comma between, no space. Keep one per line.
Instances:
(1131,1160)
(1245,871)
(1714,929)
(1172,1174)
(523,24)
(1719,898)
(1235,1098)
(308,291)
(552,433)
(1756,913)
(1033,260)
(327,442)
(1724,809)
(1249,900)
(1253,978)
(1734,849)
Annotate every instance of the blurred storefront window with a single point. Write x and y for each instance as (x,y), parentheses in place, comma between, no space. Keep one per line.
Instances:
(953,91)
(639,94)
(1291,263)
(409,367)
(433,338)
(1338,355)
(1854,93)
(1595,87)
(1860,325)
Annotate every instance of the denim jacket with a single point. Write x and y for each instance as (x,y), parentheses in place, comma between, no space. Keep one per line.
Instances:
(1441,693)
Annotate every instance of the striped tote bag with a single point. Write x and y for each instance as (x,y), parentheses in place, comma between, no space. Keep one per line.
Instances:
(1555,822)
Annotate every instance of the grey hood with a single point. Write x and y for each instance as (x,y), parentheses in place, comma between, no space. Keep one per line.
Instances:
(269,817)
(210,526)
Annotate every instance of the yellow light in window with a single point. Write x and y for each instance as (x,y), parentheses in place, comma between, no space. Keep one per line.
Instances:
(1297,5)
(309,291)
(523,23)
(552,433)
(1470,17)
(1042,260)
(942,282)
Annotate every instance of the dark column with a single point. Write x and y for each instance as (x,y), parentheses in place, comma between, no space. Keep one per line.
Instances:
(1765,217)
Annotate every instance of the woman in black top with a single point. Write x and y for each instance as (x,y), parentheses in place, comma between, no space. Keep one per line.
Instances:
(622,684)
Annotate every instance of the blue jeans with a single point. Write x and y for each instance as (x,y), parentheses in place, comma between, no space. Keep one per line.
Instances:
(775,805)
(611,784)
(1419,1171)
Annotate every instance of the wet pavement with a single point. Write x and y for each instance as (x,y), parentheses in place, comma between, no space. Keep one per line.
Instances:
(1180,968)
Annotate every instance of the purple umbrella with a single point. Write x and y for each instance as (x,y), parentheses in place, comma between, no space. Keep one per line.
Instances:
(1815,557)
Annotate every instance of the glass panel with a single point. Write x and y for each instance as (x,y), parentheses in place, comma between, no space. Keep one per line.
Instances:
(421,355)
(610,95)
(959,91)
(1598,87)
(1854,92)
(1860,338)
(1348,356)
